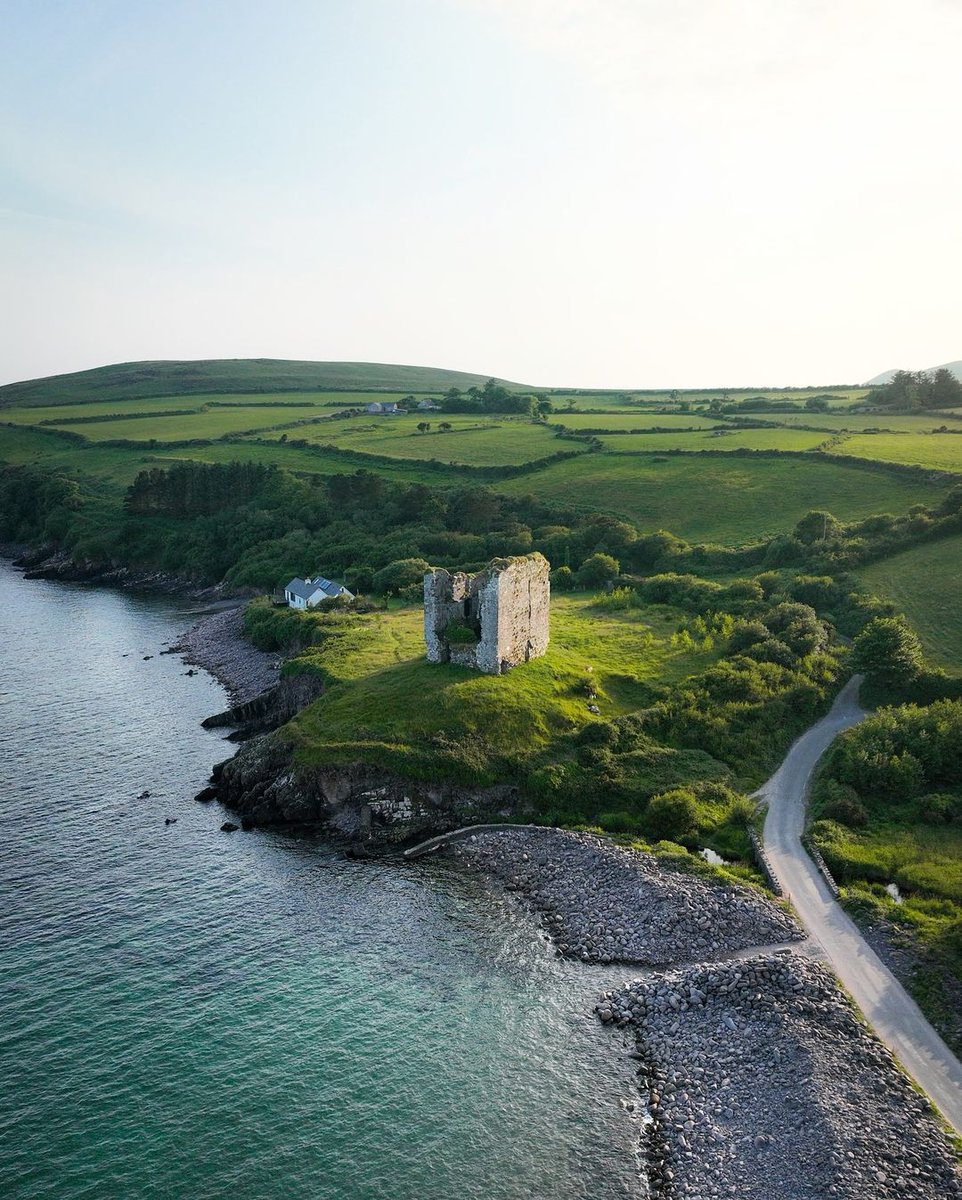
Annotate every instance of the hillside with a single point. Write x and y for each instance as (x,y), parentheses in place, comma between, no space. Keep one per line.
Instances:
(138,380)
(888,376)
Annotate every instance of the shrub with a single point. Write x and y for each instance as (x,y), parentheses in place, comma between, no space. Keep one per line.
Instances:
(598,568)
(672,815)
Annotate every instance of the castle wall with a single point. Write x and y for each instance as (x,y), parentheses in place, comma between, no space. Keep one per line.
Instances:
(508,605)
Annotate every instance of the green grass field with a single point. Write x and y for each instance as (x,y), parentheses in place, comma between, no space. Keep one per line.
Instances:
(721,499)
(926,584)
(632,420)
(120,464)
(205,423)
(897,422)
(939,451)
(472,441)
(716,439)
(586,400)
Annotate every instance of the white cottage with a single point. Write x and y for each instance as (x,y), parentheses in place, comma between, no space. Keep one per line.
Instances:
(306,593)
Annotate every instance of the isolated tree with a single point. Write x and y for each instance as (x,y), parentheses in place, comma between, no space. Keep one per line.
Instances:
(944,390)
(817,404)
(444,426)
(423,426)
(888,652)
(401,573)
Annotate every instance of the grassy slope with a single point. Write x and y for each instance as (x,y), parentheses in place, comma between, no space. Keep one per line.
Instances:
(727,500)
(122,381)
(926,584)
(387,701)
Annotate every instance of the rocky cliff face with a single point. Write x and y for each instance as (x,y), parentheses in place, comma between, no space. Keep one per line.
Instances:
(266,786)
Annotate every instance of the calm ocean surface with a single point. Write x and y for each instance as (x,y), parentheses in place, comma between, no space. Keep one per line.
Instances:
(189,1014)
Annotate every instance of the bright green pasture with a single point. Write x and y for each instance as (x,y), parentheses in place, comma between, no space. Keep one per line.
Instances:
(70,412)
(897,422)
(120,464)
(721,498)
(926,584)
(471,441)
(632,420)
(940,451)
(205,423)
(302,460)
(586,400)
(727,439)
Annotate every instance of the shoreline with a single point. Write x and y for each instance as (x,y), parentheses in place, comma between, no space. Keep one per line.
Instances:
(217,644)
(757,1077)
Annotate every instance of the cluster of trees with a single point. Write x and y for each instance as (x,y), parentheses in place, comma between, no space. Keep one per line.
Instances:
(906,755)
(494,398)
(196,489)
(921,389)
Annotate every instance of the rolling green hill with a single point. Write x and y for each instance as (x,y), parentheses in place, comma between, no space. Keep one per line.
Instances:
(132,381)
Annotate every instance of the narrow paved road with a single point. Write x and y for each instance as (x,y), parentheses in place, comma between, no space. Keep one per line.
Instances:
(888,1008)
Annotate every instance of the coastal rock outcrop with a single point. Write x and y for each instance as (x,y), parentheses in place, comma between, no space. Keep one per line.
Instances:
(266,784)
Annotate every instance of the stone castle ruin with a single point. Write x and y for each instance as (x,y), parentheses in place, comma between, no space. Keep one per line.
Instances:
(491,621)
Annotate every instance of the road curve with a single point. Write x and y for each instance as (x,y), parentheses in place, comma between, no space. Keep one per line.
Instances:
(886,1005)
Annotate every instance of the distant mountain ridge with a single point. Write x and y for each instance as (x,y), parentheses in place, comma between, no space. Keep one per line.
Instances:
(888,376)
(139,380)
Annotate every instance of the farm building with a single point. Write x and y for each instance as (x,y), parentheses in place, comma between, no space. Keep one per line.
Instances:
(383,408)
(306,593)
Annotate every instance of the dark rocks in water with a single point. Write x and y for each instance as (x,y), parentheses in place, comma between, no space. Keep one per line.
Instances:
(144,796)
(146,656)
(217,770)
(248,823)
(228,827)
(172,650)
(170,820)
(205,795)
(270,709)
(191,672)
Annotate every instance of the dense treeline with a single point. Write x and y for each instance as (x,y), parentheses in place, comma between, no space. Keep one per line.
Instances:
(189,490)
(920,389)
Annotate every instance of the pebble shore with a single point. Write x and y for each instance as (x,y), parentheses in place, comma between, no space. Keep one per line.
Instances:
(603,904)
(757,1080)
(761,1083)
(217,643)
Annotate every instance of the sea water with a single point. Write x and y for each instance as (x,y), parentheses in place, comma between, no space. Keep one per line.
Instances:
(189,1013)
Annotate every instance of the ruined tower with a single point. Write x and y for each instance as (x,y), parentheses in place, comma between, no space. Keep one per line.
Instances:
(491,621)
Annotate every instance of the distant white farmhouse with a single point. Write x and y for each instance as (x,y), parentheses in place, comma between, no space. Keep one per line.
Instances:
(306,593)
(383,407)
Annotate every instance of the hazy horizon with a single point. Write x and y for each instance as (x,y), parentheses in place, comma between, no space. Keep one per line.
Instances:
(600,195)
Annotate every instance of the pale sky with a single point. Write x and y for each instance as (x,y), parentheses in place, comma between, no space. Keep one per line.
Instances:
(607,193)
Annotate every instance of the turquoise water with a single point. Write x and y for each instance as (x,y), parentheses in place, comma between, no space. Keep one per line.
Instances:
(185,1013)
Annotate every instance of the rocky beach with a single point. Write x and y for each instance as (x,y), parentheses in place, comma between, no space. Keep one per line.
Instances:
(757,1078)
(218,645)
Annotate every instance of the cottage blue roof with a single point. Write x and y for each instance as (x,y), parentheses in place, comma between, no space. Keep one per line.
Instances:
(304,589)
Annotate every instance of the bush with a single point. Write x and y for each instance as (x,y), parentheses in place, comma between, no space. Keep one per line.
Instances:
(672,815)
(598,568)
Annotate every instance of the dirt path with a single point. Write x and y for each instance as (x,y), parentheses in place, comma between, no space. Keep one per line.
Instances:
(886,1005)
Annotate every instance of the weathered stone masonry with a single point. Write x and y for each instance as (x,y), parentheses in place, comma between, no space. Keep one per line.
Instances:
(491,621)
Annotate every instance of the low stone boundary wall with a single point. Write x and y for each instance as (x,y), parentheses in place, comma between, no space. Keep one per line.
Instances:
(764,862)
(816,856)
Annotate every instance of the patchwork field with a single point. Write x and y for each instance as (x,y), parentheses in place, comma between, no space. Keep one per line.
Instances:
(896,422)
(632,420)
(204,423)
(471,441)
(940,451)
(716,439)
(926,584)
(720,498)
